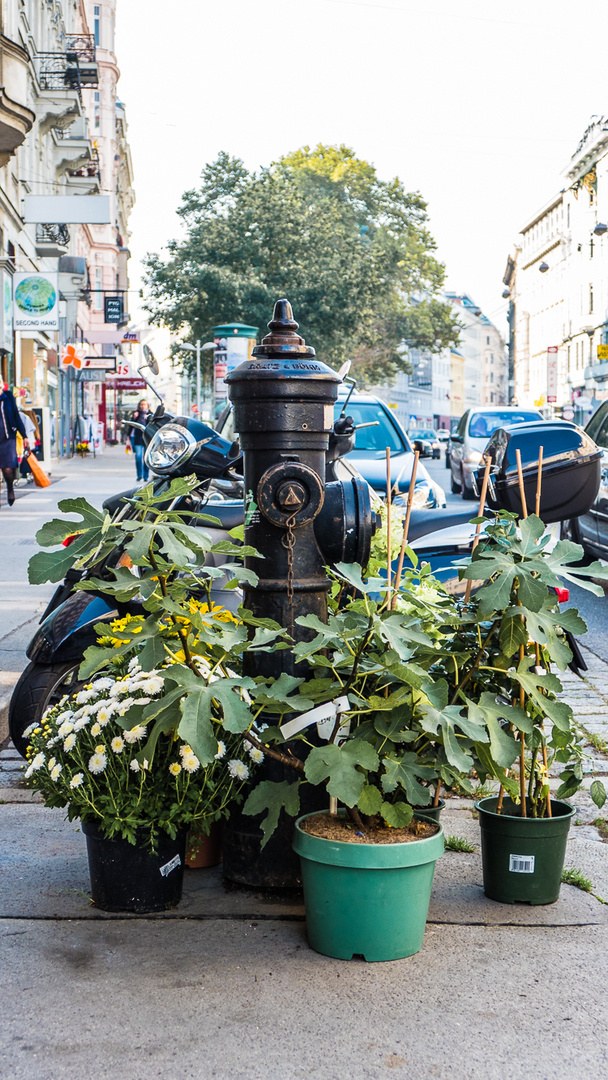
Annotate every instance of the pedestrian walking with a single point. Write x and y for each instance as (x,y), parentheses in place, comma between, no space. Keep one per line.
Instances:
(32,432)
(141,416)
(10,424)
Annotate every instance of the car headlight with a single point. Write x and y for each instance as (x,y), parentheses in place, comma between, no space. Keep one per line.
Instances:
(422,495)
(172,445)
(473,457)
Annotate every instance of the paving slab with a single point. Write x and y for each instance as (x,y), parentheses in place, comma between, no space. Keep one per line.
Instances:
(45,876)
(250,1001)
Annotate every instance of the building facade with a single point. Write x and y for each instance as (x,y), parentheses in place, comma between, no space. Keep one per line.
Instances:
(63,132)
(443,385)
(557,283)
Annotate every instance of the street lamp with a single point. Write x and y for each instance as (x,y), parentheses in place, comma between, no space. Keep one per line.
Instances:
(198,349)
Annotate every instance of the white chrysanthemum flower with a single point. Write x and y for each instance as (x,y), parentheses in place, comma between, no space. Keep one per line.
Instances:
(28,730)
(134,664)
(100,749)
(143,700)
(35,764)
(56,772)
(77,780)
(190,762)
(185,749)
(238,769)
(256,755)
(134,766)
(97,763)
(175,768)
(80,724)
(136,733)
(52,763)
(69,743)
(67,715)
(221,750)
(65,728)
(118,745)
(85,696)
(96,729)
(153,685)
(104,716)
(52,742)
(103,684)
(118,689)
(125,706)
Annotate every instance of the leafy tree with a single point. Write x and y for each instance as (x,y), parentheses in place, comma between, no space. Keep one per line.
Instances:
(352,253)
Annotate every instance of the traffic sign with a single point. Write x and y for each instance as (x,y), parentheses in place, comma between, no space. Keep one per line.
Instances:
(567,414)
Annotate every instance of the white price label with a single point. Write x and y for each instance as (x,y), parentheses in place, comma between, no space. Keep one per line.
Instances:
(171,865)
(521,864)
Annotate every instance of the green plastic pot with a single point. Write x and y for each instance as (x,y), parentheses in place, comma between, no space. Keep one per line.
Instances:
(368,900)
(522,858)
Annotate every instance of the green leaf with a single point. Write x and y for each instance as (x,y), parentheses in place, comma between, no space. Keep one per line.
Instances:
(195,726)
(398,815)
(338,765)
(370,800)
(273,797)
(512,634)
(405,771)
(352,574)
(489,712)
(540,689)
(598,793)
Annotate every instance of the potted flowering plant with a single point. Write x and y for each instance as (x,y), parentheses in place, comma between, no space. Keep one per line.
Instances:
(135,813)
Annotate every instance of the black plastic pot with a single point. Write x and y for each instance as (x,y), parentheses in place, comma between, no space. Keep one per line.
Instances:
(127,877)
(431,813)
(522,858)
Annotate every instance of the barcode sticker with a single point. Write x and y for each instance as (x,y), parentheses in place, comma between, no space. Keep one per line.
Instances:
(169,866)
(521,864)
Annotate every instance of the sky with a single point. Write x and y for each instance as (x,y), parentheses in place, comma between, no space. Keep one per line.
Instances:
(477,105)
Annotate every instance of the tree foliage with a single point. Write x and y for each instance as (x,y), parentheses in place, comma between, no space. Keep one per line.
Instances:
(351,252)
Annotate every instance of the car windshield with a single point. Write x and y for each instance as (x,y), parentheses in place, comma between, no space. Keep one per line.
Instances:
(377,438)
(425,434)
(483,425)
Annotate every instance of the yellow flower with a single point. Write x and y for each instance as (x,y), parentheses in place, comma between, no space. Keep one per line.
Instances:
(175,768)
(100,749)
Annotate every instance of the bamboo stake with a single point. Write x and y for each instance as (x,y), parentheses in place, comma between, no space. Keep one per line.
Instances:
(406,525)
(539,480)
(520,477)
(389,559)
(482,503)
(501,795)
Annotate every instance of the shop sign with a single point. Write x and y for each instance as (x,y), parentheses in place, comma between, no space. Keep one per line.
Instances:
(6,311)
(552,374)
(115,383)
(88,376)
(35,302)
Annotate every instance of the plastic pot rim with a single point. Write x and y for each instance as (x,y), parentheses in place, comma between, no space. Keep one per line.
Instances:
(366,856)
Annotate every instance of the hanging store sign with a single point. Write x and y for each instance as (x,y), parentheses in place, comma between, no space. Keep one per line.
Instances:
(69,209)
(118,383)
(552,374)
(113,309)
(602,352)
(73,356)
(35,302)
(100,363)
(88,376)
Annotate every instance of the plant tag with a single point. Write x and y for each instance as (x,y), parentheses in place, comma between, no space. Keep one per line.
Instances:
(521,864)
(171,865)
(326,712)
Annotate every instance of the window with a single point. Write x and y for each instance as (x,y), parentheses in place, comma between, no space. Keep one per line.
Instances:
(591,249)
(97,23)
(568,215)
(97,117)
(487,341)
(98,294)
(591,299)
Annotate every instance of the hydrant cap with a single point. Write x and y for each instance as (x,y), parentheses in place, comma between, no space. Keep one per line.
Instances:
(283,338)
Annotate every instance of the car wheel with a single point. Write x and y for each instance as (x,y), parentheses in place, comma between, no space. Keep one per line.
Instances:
(467,492)
(455,487)
(448,463)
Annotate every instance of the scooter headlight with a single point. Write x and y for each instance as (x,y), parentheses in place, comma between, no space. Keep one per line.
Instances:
(171,446)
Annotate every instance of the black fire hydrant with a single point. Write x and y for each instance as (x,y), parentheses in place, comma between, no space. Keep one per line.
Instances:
(283,399)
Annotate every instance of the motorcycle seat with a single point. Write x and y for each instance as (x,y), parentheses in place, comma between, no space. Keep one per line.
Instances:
(230,513)
(423,522)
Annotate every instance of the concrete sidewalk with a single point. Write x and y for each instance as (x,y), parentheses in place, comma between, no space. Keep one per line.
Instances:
(225,986)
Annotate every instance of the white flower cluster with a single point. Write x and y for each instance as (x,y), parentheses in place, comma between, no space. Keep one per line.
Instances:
(190,762)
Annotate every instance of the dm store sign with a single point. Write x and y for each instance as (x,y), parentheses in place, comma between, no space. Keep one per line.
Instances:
(35,302)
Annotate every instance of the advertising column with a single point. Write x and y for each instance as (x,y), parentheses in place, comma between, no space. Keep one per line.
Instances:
(233,345)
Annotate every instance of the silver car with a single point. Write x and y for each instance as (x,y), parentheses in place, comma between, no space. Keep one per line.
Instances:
(470,439)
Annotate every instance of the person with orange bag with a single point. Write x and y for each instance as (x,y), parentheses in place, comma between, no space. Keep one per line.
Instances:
(10,424)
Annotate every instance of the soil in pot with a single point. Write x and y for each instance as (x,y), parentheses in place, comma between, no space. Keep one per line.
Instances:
(340,827)
(367,899)
(523,858)
(128,877)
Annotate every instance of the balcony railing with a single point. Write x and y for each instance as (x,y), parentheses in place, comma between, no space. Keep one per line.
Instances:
(71,69)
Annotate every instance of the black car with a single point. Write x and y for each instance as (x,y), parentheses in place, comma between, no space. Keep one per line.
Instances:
(426,441)
(591,529)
